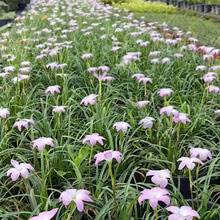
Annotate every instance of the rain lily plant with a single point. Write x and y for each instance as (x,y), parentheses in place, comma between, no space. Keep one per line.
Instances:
(109,156)
(93,139)
(121,128)
(153,196)
(190,163)
(77,197)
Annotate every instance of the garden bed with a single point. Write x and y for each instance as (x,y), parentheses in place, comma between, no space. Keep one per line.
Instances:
(106,116)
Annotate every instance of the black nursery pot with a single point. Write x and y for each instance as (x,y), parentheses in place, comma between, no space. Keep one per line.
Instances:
(210,205)
(5,21)
(182,183)
(216,195)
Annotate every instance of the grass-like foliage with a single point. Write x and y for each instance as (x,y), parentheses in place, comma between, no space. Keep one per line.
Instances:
(145,6)
(93,100)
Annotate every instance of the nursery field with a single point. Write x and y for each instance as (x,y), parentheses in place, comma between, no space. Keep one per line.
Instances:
(206,30)
(106,116)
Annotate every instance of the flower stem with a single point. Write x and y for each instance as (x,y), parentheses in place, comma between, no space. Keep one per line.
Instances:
(191,190)
(90,160)
(145,91)
(156,214)
(42,165)
(197,183)
(178,132)
(113,189)
(100,94)
(71,211)
(148,210)
(58,128)
(165,101)
(171,148)
(121,133)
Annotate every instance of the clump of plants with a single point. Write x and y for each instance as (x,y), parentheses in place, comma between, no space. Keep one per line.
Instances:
(146,6)
(104,116)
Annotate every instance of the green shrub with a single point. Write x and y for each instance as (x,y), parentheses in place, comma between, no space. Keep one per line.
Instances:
(143,6)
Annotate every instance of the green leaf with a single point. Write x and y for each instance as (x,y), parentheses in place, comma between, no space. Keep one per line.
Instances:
(83,153)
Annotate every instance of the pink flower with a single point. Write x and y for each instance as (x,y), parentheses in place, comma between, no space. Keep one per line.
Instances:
(23,123)
(108,156)
(4,112)
(8,69)
(165,91)
(93,138)
(209,77)
(115,48)
(45,215)
(3,75)
(144,44)
(59,109)
(128,58)
(141,104)
(77,196)
(41,142)
(62,65)
(166,60)
(109,78)
(217,111)
(104,69)
(92,69)
(203,68)
(52,89)
(188,162)
(182,213)
(178,55)
(169,110)
(147,122)
(214,88)
(25,63)
(202,154)
(25,69)
(181,117)
(52,66)
(154,195)
(214,68)
(155,61)
(159,177)
(100,77)
(145,80)
(154,53)
(19,169)
(86,56)
(207,57)
(20,77)
(90,99)
(121,126)
(138,75)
